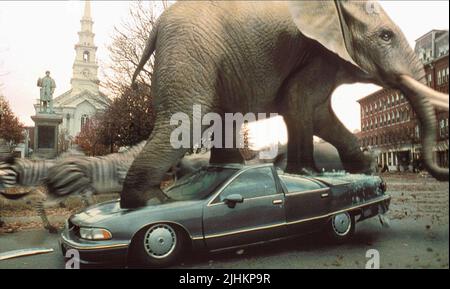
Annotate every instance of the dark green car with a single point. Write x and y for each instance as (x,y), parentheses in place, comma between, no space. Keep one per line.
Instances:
(221,207)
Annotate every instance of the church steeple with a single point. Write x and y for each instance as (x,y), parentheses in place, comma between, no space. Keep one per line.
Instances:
(87,10)
(85,68)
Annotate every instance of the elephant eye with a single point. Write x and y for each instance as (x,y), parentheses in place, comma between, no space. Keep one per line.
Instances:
(386,35)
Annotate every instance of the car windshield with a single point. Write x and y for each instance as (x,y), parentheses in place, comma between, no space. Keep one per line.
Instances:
(200,184)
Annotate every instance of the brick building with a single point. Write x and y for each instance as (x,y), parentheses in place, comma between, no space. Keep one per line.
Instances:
(388,123)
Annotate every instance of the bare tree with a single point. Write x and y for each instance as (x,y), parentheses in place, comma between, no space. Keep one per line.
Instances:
(128,42)
(129,118)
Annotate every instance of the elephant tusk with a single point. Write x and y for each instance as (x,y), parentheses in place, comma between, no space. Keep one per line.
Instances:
(437,99)
(421,99)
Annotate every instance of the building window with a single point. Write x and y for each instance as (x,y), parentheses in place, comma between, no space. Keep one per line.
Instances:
(86,56)
(84,120)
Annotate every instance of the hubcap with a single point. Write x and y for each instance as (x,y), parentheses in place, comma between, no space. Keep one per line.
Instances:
(160,241)
(341,224)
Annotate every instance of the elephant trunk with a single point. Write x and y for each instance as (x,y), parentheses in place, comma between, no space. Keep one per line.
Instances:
(422,99)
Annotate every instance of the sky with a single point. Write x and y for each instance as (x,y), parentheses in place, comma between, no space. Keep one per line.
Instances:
(36,36)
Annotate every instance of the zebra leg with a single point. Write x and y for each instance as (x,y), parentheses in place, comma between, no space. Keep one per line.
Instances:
(41,211)
(87,197)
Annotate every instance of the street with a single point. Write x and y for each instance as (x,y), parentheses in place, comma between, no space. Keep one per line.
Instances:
(417,238)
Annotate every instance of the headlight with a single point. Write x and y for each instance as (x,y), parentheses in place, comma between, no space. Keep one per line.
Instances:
(95,234)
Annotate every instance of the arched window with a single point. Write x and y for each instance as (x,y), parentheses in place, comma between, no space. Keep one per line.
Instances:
(84,120)
(86,56)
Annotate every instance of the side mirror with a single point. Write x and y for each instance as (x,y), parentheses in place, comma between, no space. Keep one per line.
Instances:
(232,199)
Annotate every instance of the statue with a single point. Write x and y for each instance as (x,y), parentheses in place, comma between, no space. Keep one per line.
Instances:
(47,85)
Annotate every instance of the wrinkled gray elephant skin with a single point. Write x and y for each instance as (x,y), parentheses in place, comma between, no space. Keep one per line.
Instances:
(281,57)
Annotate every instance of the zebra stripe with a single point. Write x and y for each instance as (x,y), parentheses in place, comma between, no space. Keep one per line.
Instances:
(32,172)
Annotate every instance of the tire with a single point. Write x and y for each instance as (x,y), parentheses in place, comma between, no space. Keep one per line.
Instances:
(158,245)
(341,227)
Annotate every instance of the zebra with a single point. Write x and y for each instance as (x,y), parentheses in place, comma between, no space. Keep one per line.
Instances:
(83,175)
(67,175)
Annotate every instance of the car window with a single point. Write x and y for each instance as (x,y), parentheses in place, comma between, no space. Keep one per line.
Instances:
(252,183)
(299,184)
(199,184)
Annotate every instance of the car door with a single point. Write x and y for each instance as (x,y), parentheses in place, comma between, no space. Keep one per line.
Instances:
(307,201)
(260,217)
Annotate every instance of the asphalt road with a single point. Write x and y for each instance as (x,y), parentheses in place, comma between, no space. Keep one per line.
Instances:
(408,243)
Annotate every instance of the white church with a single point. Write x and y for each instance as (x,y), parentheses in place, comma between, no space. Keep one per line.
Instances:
(84,99)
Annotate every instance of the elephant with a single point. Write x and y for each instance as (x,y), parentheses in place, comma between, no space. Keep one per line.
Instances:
(274,57)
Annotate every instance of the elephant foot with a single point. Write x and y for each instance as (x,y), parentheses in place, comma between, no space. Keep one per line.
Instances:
(136,199)
(51,229)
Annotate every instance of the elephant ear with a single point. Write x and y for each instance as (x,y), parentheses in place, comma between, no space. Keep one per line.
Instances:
(325,22)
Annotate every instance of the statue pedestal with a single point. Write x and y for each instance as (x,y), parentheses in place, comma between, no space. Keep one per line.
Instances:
(46,135)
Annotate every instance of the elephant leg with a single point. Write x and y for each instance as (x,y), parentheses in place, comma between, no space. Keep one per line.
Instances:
(226,155)
(149,168)
(300,148)
(328,127)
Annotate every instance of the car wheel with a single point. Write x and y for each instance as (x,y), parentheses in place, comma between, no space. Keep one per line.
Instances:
(341,227)
(158,245)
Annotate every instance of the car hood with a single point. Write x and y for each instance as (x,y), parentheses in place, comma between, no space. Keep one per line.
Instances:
(97,213)
(110,211)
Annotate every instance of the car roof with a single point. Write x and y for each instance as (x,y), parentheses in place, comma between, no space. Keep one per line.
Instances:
(239,166)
